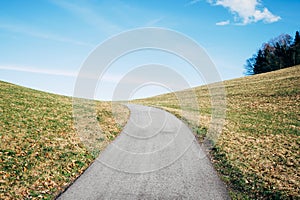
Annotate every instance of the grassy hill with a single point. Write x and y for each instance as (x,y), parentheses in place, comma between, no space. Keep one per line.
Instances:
(258,153)
(40,152)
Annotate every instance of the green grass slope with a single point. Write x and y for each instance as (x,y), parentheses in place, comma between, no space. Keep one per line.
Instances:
(40,152)
(258,153)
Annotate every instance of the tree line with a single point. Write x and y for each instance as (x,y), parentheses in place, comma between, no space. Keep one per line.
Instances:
(280,52)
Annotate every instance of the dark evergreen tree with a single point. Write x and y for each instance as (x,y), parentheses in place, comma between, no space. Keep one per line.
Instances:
(297,38)
(270,58)
(282,51)
(296,49)
(260,63)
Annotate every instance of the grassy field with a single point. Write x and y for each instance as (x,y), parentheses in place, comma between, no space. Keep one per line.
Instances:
(258,153)
(40,152)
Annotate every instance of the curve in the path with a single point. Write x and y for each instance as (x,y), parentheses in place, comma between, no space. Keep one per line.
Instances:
(155,157)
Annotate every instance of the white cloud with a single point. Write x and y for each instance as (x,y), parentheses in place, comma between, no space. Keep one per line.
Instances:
(223,23)
(247,11)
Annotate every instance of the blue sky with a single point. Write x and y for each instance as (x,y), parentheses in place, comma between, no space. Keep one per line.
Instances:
(43,43)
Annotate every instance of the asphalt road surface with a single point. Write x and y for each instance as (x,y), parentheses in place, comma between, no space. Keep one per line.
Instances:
(155,157)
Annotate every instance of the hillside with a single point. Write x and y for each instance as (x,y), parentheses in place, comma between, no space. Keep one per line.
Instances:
(40,152)
(258,151)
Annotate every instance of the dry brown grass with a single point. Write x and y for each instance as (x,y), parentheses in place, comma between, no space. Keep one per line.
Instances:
(258,151)
(41,153)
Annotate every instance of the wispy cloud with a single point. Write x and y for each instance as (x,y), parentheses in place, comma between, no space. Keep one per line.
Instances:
(17,28)
(59,72)
(223,23)
(247,11)
(39,70)
(89,15)
(192,2)
(154,21)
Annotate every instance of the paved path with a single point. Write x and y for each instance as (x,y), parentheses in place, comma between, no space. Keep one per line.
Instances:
(155,157)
